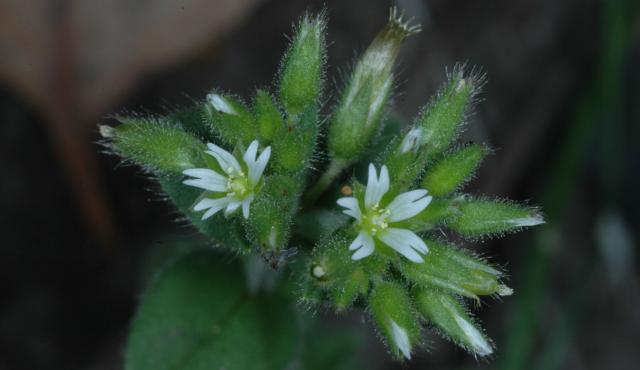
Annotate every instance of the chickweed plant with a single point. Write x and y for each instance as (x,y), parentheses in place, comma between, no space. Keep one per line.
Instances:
(349,211)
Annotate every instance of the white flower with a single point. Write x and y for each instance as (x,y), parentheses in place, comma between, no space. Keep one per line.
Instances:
(237,187)
(376,222)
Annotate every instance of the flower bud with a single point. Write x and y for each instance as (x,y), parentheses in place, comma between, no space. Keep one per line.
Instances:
(357,118)
(269,223)
(229,119)
(453,170)
(393,313)
(441,120)
(451,269)
(303,66)
(157,146)
(268,117)
(450,317)
(481,217)
(294,145)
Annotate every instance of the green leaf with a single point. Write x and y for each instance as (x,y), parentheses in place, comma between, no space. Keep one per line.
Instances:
(303,66)
(454,323)
(451,172)
(198,315)
(481,217)
(451,269)
(157,146)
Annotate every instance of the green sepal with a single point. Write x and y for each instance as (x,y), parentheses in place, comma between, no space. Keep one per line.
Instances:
(268,117)
(230,119)
(354,285)
(357,118)
(405,168)
(437,213)
(303,66)
(453,270)
(294,144)
(452,320)
(452,171)
(482,217)
(156,146)
(190,119)
(391,307)
(441,120)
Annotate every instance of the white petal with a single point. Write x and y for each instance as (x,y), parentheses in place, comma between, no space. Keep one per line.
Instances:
(257,168)
(213,206)
(365,245)
(226,160)
(352,207)
(220,104)
(357,242)
(206,185)
(476,339)
(405,242)
(251,153)
(367,248)
(204,173)
(407,205)
(401,339)
(246,203)
(232,206)
(376,188)
(384,180)
(206,179)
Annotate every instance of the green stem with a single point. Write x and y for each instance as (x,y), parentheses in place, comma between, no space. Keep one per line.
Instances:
(333,170)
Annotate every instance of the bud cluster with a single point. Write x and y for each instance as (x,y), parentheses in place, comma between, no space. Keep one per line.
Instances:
(256,179)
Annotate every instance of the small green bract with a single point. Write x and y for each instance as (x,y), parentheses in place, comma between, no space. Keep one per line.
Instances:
(256,180)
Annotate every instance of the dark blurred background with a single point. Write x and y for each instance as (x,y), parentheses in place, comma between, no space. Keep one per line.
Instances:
(561,108)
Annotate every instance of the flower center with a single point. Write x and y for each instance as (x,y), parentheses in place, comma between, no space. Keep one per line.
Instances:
(238,185)
(374,219)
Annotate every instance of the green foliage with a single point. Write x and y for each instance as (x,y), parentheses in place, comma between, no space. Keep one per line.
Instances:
(370,254)
(450,317)
(452,171)
(198,315)
(157,146)
(303,66)
(481,217)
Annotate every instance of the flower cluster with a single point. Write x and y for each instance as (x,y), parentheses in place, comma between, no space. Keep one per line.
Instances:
(256,180)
